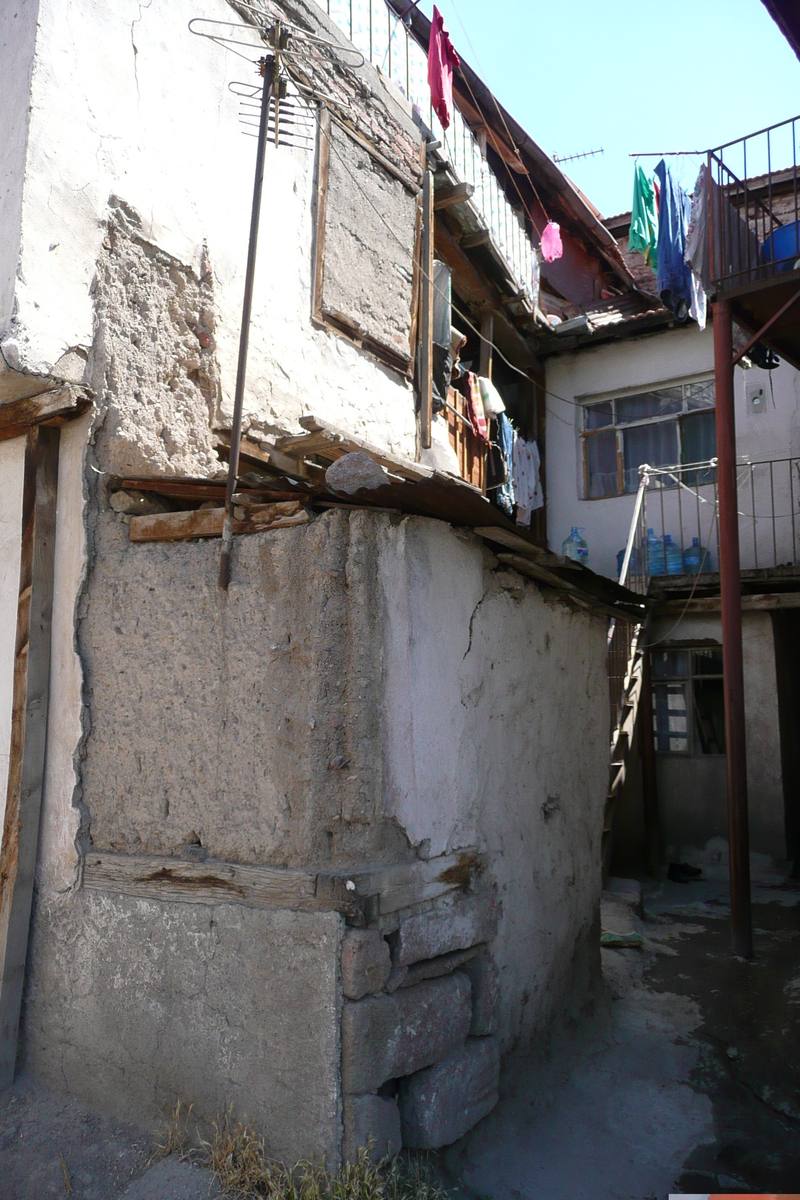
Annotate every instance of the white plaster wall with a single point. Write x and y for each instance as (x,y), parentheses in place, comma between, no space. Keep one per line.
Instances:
(17,39)
(57,860)
(495,734)
(12,468)
(125,101)
(651,361)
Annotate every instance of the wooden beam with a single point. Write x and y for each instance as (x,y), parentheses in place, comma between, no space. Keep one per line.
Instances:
(487,347)
(28,730)
(207,522)
(425,380)
(264,452)
(55,406)
(456,193)
(358,896)
(764,602)
(479,238)
(513,541)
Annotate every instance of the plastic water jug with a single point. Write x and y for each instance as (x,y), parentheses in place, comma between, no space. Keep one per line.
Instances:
(693,560)
(654,549)
(576,547)
(673,556)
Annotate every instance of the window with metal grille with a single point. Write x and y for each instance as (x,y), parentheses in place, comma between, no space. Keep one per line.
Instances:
(665,427)
(688,703)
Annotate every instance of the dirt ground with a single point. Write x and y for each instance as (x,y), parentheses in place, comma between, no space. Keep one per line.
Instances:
(685,1079)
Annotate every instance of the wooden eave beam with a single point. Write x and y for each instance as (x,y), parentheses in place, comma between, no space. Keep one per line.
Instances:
(52,407)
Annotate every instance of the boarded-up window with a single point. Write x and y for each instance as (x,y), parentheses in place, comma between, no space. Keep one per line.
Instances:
(364,256)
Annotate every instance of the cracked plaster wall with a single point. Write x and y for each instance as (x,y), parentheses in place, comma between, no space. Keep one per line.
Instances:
(495,719)
(126,102)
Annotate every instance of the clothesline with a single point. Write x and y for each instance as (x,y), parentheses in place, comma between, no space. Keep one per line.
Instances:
(666,153)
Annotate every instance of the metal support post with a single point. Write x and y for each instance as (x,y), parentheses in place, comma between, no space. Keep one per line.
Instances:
(269,67)
(730,594)
(426,324)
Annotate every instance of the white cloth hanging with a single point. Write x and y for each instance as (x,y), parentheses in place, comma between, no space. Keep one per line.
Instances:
(527,479)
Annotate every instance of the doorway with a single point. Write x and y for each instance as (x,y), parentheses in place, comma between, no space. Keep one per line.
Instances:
(786,633)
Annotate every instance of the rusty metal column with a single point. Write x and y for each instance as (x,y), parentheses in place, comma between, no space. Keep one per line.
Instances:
(730,592)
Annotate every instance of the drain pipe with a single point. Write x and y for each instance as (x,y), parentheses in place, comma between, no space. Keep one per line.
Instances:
(269,71)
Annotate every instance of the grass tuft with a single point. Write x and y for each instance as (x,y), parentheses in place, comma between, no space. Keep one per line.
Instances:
(175,1135)
(235,1156)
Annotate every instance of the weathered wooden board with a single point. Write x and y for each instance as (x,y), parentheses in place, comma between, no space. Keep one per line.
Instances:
(377,891)
(28,730)
(514,541)
(407,884)
(207,522)
(56,406)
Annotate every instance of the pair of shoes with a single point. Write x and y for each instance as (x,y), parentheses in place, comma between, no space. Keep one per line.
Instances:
(683,873)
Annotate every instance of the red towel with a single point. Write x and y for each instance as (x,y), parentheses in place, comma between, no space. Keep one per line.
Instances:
(442,58)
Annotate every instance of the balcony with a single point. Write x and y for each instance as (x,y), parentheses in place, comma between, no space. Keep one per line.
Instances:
(753,233)
(486,217)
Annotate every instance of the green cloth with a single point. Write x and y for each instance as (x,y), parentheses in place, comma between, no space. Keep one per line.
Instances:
(643,234)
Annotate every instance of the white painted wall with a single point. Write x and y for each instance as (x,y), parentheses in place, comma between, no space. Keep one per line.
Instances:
(126,102)
(495,734)
(17,39)
(12,467)
(652,361)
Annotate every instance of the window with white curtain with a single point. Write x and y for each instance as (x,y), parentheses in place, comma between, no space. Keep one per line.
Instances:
(664,427)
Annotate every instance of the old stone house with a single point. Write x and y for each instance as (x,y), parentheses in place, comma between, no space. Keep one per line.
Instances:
(324,844)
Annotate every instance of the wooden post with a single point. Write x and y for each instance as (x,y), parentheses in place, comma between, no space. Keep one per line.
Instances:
(647,754)
(731,603)
(487,349)
(28,731)
(426,323)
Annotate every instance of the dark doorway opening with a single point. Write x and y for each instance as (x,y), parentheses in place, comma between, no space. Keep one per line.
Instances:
(786,632)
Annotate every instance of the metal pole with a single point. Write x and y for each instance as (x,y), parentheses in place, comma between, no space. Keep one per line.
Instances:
(244,336)
(426,333)
(730,593)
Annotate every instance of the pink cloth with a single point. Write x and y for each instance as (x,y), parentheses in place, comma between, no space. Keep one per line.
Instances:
(442,58)
(551,242)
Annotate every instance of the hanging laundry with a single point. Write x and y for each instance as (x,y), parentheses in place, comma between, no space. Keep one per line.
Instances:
(643,235)
(674,275)
(551,242)
(492,400)
(506,496)
(442,59)
(527,480)
(475,413)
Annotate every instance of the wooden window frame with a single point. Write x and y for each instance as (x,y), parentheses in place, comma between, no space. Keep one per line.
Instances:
(688,679)
(620,429)
(339,323)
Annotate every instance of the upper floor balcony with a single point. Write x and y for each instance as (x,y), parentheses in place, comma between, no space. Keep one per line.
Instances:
(751,221)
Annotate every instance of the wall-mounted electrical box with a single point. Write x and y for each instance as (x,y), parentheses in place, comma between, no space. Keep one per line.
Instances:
(756,398)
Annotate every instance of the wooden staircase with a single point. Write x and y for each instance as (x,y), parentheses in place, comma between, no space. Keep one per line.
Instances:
(624,661)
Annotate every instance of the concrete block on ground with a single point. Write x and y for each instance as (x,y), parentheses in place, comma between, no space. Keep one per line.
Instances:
(457,925)
(173,1180)
(484,977)
(443,1102)
(366,963)
(385,1037)
(374,1122)
(627,890)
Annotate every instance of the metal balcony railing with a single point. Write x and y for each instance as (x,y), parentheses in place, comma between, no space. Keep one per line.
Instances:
(382,38)
(753,212)
(681,503)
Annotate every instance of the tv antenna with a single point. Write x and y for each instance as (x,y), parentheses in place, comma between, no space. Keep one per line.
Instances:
(286,59)
(562,158)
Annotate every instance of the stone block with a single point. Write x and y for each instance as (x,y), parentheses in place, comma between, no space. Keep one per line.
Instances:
(366,963)
(443,1102)
(457,925)
(371,1121)
(484,976)
(385,1037)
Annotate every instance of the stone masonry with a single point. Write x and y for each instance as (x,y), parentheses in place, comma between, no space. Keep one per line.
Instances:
(411,1072)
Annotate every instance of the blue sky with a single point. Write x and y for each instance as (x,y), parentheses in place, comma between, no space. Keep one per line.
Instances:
(628,76)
